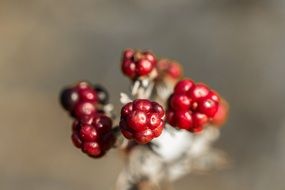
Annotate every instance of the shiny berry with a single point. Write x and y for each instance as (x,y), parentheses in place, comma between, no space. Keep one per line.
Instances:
(94,138)
(88,133)
(84,111)
(208,106)
(199,91)
(180,102)
(199,121)
(192,106)
(184,86)
(142,120)
(137,63)
(92,149)
(68,98)
(184,120)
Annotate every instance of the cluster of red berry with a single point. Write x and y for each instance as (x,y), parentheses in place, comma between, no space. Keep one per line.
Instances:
(142,120)
(137,63)
(192,106)
(94,138)
(91,130)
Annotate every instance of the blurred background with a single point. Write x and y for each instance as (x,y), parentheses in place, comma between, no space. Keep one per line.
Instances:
(235,46)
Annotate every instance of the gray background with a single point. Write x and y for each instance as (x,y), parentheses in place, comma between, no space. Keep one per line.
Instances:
(236,46)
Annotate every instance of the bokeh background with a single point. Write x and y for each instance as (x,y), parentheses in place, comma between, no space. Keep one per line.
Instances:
(236,46)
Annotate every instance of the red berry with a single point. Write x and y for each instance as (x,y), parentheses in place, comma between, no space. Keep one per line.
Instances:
(84,111)
(170,117)
(191,106)
(208,106)
(88,95)
(103,124)
(127,132)
(156,108)
(213,96)
(199,91)
(129,68)
(180,102)
(88,133)
(137,120)
(142,105)
(143,67)
(174,70)
(144,137)
(142,120)
(199,121)
(82,85)
(183,86)
(137,63)
(127,109)
(92,149)
(95,138)
(128,53)
(149,56)
(184,120)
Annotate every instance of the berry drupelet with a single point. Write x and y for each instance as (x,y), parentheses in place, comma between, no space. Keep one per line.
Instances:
(142,120)
(192,106)
(94,138)
(136,64)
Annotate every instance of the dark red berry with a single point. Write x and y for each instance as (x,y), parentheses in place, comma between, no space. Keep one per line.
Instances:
(183,86)
(84,111)
(142,120)
(143,67)
(199,121)
(144,137)
(88,95)
(180,102)
(184,119)
(94,138)
(68,98)
(137,63)
(88,133)
(142,105)
(129,68)
(103,124)
(137,120)
(156,108)
(92,149)
(127,109)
